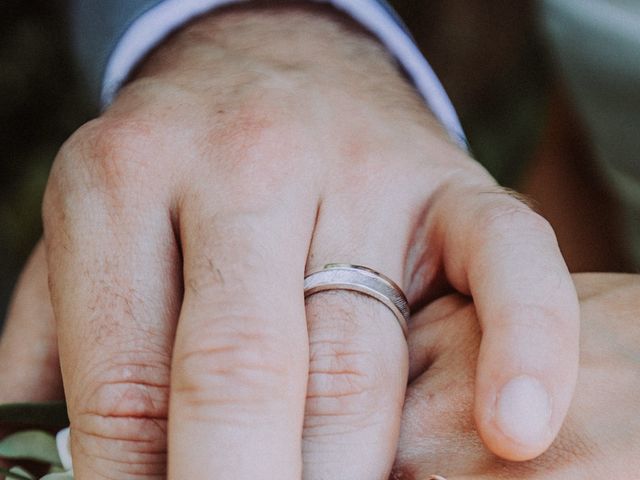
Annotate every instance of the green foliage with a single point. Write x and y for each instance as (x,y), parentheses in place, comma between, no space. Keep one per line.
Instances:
(17,473)
(30,445)
(58,476)
(33,445)
(22,472)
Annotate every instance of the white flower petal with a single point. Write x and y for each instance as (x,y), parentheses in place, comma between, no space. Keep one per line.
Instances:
(64,448)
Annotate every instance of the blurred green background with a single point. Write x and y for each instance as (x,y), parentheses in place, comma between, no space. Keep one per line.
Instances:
(41,103)
(485,51)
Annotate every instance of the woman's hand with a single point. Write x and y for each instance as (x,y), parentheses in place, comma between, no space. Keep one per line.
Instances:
(255,146)
(601,436)
(30,367)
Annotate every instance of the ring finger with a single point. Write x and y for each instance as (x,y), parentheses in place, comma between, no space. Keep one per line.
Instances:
(358,355)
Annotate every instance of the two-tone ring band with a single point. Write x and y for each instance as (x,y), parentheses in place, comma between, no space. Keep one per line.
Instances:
(344,276)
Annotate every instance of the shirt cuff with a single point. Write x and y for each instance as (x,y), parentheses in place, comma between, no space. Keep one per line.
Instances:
(151,28)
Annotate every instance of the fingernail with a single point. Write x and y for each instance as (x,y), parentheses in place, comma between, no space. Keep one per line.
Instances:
(524,410)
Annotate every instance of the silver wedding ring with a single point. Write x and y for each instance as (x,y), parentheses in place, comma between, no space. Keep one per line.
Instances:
(343,276)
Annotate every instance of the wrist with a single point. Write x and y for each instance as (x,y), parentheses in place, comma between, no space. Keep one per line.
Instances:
(289,35)
(308,45)
(302,57)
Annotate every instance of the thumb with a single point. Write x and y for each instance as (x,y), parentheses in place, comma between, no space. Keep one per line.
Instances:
(506,257)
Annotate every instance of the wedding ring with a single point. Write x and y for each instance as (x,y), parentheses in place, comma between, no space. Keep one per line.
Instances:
(344,276)
(436,477)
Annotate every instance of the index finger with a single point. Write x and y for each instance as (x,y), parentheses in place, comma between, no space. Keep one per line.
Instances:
(507,258)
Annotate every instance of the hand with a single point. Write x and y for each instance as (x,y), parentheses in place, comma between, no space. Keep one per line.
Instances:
(28,352)
(28,347)
(255,145)
(601,436)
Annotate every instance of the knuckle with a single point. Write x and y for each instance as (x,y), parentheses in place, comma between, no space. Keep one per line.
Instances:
(504,218)
(247,130)
(113,458)
(104,163)
(128,399)
(354,375)
(124,399)
(343,380)
(113,152)
(251,124)
(226,367)
(119,148)
(121,425)
(255,147)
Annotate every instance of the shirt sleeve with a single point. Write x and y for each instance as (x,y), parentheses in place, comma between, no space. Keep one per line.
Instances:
(137,27)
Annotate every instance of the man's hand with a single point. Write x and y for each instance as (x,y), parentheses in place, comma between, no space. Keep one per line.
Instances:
(601,436)
(252,147)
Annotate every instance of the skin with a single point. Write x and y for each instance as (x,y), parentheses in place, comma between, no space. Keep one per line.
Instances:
(601,436)
(254,146)
(598,440)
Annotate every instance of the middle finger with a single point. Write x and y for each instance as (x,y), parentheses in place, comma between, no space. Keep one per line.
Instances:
(241,356)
